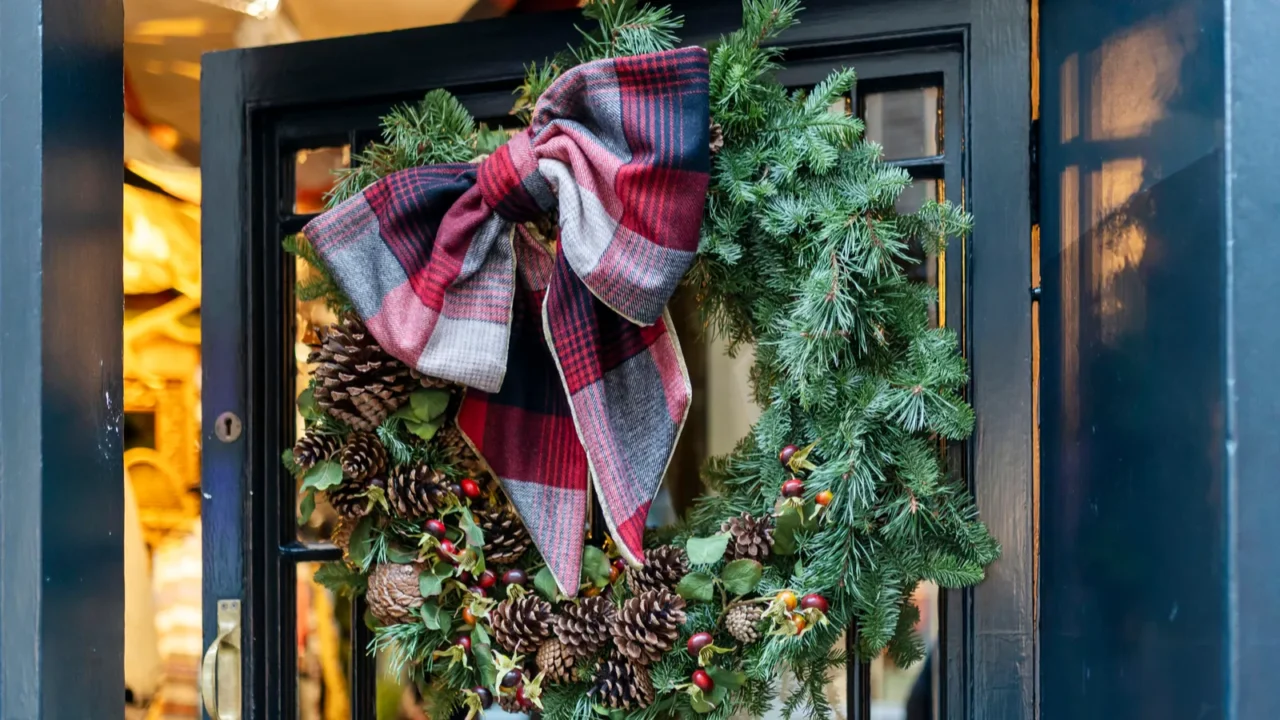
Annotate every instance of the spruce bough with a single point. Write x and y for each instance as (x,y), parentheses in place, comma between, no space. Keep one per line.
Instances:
(802,258)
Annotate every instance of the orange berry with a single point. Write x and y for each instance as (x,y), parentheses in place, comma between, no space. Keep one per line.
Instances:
(468,617)
(592,591)
(824,498)
(788,598)
(614,573)
(799,622)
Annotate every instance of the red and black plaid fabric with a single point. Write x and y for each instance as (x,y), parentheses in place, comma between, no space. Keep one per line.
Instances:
(574,371)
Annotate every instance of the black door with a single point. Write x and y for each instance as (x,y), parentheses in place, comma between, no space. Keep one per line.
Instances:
(944,85)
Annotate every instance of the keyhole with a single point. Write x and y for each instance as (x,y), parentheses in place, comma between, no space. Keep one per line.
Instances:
(227,427)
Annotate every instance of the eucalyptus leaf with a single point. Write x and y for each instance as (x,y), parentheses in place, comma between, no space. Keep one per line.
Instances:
(741,576)
(306,507)
(433,616)
(545,583)
(361,546)
(697,586)
(595,566)
(709,550)
(322,476)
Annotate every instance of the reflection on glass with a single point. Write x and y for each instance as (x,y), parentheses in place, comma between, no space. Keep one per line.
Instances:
(310,316)
(313,176)
(928,266)
(906,693)
(324,649)
(906,123)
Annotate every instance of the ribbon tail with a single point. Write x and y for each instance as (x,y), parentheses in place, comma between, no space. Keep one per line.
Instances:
(629,394)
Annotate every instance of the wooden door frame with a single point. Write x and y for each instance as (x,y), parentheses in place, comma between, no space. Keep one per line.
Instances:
(993,675)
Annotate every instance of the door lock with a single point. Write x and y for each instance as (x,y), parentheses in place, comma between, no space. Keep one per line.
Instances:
(220,671)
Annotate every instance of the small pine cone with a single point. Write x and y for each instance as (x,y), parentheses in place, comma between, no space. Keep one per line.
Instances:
(750,538)
(357,382)
(505,538)
(717,137)
(743,623)
(363,456)
(509,703)
(351,498)
(341,537)
(663,569)
(556,661)
(587,626)
(648,625)
(521,625)
(459,452)
(313,447)
(415,491)
(393,594)
(622,685)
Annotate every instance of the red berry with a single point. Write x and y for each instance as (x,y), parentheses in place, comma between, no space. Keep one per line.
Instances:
(470,488)
(464,577)
(787,453)
(703,680)
(823,498)
(488,579)
(447,551)
(814,601)
(793,488)
(515,576)
(435,529)
(465,642)
(614,574)
(477,591)
(620,565)
(521,700)
(486,697)
(699,641)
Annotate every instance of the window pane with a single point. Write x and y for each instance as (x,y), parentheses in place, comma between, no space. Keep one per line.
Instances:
(906,693)
(313,176)
(310,317)
(926,267)
(906,123)
(324,649)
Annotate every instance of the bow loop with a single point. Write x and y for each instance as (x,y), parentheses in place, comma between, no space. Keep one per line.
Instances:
(573,368)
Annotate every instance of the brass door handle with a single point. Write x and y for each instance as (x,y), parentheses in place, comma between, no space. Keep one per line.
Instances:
(220,671)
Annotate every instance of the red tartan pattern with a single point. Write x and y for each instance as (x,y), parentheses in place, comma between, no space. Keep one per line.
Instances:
(572,369)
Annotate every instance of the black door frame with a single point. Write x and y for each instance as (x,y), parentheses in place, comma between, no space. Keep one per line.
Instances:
(244,93)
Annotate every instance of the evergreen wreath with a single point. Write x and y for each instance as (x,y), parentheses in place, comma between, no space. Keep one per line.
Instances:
(825,517)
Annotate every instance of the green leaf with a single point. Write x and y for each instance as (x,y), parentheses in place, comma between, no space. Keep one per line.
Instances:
(322,476)
(784,531)
(286,459)
(697,586)
(698,700)
(307,405)
(362,541)
(595,566)
(741,576)
(429,404)
(717,694)
(340,579)
(545,583)
(424,429)
(705,551)
(479,636)
(397,554)
(484,663)
(726,678)
(433,616)
(306,507)
(430,585)
(470,530)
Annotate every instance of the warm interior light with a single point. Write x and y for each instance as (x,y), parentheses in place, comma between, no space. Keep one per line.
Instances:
(261,9)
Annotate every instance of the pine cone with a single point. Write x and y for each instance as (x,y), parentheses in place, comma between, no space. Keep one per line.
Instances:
(393,594)
(357,382)
(648,625)
(750,538)
(521,625)
(351,498)
(341,537)
(586,626)
(459,452)
(313,447)
(743,623)
(505,539)
(621,685)
(363,456)
(717,137)
(509,703)
(556,661)
(663,569)
(415,491)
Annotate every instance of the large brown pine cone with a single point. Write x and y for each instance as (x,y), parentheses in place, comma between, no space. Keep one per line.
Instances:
(415,491)
(648,625)
(663,569)
(743,623)
(521,625)
(556,661)
(622,685)
(394,596)
(313,447)
(586,626)
(351,498)
(356,381)
(750,538)
(505,538)
(459,452)
(363,456)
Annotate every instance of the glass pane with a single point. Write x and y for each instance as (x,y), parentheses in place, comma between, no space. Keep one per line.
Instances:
(176,589)
(313,176)
(906,693)
(310,316)
(324,649)
(906,123)
(927,268)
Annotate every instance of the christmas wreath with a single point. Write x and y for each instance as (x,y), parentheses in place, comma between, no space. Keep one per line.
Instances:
(503,347)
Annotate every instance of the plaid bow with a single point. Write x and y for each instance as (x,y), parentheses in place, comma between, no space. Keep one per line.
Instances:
(438,263)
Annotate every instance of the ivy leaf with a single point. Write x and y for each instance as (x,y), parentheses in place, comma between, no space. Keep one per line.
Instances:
(470,530)
(705,551)
(428,405)
(322,476)
(362,541)
(306,507)
(697,586)
(432,616)
(595,566)
(545,583)
(726,678)
(741,576)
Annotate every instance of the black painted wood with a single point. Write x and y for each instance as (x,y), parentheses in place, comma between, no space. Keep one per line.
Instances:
(263,103)
(61,313)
